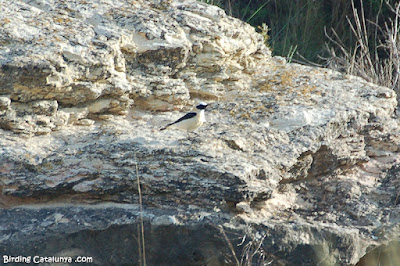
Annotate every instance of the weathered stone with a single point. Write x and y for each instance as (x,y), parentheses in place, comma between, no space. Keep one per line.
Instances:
(300,162)
(98,53)
(4,103)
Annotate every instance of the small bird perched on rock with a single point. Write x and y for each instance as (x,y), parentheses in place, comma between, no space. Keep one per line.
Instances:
(190,121)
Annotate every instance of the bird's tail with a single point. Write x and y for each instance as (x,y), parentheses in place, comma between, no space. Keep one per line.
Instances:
(164,128)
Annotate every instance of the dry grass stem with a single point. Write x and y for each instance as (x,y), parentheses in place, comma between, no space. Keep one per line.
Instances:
(142,249)
(375,60)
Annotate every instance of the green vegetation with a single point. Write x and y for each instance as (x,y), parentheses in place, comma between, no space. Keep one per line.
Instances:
(359,37)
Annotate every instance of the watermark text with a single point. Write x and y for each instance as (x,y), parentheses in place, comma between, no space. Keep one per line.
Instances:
(46,259)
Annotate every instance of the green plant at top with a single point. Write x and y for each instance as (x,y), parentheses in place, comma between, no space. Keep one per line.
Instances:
(264,29)
(302,23)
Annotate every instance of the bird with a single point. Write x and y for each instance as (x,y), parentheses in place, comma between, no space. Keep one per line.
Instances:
(190,121)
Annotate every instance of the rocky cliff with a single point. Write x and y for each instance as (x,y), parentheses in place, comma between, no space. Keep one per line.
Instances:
(299,164)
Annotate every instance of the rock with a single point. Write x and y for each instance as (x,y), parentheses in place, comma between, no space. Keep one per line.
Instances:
(4,103)
(301,163)
(97,56)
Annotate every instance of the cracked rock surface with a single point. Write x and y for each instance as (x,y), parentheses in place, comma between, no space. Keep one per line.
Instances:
(302,160)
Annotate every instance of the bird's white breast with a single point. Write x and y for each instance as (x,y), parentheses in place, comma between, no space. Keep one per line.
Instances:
(191,123)
(202,117)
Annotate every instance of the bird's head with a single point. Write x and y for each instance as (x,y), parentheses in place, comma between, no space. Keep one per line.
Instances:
(201,106)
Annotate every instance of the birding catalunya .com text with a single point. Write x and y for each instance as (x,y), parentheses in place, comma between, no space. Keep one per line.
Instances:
(42,259)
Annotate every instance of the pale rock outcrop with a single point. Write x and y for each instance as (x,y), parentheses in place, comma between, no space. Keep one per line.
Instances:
(104,57)
(302,161)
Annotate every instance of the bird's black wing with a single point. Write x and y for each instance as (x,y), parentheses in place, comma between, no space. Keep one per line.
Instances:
(186,116)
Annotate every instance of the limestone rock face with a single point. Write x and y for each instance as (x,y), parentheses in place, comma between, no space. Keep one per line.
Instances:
(93,59)
(300,163)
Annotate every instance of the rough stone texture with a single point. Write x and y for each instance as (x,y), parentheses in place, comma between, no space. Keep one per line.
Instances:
(301,161)
(63,62)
